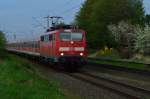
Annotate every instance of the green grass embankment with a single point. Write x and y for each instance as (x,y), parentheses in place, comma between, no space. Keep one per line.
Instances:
(125,64)
(19,81)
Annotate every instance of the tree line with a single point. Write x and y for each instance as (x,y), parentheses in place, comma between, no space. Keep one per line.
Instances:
(97,16)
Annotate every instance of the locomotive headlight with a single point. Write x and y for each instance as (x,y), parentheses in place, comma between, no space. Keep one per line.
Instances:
(81,54)
(62,54)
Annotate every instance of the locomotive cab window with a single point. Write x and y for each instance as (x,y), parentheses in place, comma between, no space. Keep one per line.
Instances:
(76,36)
(65,36)
(71,36)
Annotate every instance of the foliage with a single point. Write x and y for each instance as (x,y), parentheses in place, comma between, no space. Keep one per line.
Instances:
(19,81)
(2,40)
(132,38)
(147,19)
(83,20)
(105,51)
(96,15)
(142,41)
(124,34)
(141,58)
(2,44)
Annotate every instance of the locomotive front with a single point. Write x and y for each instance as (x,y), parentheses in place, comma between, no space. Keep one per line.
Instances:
(72,46)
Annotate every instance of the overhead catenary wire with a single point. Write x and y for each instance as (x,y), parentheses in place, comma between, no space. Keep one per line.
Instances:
(39,23)
(68,2)
(64,13)
(61,13)
(64,4)
(70,9)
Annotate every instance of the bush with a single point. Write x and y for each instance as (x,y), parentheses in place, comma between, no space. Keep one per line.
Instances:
(105,51)
(142,40)
(124,34)
(131,39)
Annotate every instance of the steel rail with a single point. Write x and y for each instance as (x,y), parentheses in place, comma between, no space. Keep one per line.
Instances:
(146,91)
(100,85)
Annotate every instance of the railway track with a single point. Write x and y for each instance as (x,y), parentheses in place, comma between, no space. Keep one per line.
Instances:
(125,90)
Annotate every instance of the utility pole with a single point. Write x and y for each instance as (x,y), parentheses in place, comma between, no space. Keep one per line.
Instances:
(48,21)
(54,20)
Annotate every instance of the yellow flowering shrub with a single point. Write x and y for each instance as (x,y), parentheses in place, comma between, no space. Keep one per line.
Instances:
(105,51)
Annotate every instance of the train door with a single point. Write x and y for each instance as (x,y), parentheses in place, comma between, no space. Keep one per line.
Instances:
(42,46)
(53,44)
(45,47)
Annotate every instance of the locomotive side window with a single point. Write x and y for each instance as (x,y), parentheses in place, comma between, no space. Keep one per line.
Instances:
(46,38)
(42,38)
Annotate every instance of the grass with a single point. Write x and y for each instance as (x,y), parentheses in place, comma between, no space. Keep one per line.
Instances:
(128,63)
(123,64)
(19,81)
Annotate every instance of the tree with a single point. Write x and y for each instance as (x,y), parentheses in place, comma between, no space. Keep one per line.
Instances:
(83,20)
(137,12)
(2,43)
(147,19)
(124,34)
(96,15)
(131,38)
(142,40)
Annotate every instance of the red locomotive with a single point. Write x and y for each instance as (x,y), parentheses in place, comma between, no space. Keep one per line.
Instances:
(65,45)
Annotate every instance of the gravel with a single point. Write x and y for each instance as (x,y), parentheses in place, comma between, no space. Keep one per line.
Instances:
(74,88)
(122,79)
(122,74)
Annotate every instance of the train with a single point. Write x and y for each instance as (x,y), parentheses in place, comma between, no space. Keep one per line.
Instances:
(60,45)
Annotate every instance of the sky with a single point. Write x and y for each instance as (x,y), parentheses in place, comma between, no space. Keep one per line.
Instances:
(25,18)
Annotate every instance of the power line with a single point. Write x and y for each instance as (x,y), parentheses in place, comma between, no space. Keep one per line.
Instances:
(66,3)
(39,23)
(69,1)
(70,9)
(56,17)
(48,21)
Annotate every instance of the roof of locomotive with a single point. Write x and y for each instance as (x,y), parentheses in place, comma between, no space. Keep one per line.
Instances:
(58,27)
(65,28)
